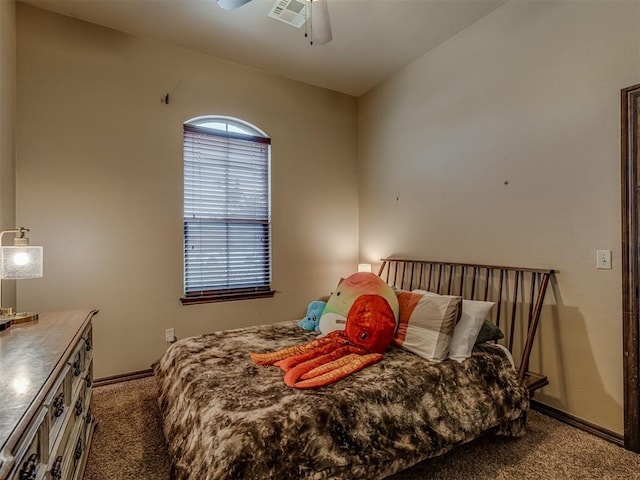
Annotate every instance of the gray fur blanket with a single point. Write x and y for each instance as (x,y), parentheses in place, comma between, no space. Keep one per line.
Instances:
(227,418)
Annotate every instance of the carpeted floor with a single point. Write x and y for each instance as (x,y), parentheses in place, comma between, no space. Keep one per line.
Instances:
(129,445)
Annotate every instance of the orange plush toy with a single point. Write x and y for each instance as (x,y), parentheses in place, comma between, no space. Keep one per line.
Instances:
(371,323)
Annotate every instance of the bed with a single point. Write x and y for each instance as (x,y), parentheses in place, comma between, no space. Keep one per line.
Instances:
(226,418)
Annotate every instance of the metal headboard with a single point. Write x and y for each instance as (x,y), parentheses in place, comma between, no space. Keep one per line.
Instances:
(518,293)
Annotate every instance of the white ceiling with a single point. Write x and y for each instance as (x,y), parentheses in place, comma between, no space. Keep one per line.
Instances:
(371,38)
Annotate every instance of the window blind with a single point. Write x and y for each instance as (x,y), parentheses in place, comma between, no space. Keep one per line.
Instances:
(227,247)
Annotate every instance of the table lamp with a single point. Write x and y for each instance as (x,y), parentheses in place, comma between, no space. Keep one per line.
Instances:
(17,262)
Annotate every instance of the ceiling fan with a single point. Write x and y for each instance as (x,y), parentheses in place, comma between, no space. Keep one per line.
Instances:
(297,13)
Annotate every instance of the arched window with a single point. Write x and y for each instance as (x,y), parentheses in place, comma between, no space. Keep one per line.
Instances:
(227,210)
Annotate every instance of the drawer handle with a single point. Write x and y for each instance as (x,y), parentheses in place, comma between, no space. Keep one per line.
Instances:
(78,451)
(79,407)
(56,470)
(88,380)
(87,344)
(28,471)
(58,404)
(76,367)
(89,418)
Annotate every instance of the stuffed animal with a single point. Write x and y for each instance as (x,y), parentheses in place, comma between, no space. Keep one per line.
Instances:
(357,324)
(370,326)
(314,310)
(334,315)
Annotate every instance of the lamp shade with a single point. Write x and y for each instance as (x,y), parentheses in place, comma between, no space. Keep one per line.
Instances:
(19,262)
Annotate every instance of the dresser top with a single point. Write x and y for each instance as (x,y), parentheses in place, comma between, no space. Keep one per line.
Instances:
(31,356)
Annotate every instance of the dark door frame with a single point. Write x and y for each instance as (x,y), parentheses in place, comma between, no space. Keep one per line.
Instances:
(630,98)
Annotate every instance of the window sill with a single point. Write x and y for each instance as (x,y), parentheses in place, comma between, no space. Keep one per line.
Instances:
(226,297)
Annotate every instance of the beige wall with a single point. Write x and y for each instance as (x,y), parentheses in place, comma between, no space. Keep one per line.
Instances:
(529,95)
(7,128)
(99,182)
(501,146)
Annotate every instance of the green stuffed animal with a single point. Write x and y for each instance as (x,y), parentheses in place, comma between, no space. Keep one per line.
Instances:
(334,315)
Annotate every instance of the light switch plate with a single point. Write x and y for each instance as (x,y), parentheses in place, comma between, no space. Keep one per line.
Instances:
(603,259)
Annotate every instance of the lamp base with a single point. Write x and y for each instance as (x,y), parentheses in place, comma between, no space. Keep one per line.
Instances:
(22,317)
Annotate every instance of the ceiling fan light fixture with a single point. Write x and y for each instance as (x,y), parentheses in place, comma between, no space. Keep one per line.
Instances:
(231,4)
(320,23)
(313,14)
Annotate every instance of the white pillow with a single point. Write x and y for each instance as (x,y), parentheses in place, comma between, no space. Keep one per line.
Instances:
(474,313)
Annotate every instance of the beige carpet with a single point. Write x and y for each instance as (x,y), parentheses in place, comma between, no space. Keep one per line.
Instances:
(129,445)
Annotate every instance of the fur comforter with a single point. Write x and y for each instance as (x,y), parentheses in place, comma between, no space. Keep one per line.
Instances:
(227,418)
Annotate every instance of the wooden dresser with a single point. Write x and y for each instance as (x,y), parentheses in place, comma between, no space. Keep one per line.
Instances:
(46,373)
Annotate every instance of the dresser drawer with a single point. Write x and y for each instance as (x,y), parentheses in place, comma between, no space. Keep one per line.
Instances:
(76,363)
(80,453)
(75,452)
(87,380)
(62,462)
(32,450)
(57,403)
(87,339)
(79,408)
(89,423)
(89,419)
(62,466)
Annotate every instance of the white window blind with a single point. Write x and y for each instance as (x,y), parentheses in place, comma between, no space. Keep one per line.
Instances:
(227,247)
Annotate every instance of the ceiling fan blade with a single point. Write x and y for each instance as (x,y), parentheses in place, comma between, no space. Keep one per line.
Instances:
(231,4)
(320,23)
